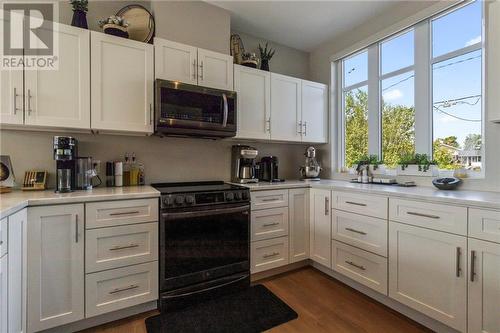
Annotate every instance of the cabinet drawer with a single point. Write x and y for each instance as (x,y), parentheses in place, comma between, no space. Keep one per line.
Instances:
(115,247)
(113,213)
(269,199)
(370,205)
(440,217)
(366,268)
(367,233)
(267,254)
(3,237)
(269,223)
(484,224)
(120,288)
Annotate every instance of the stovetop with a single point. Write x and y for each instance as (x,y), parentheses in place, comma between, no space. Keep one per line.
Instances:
(182,195)
(192,187)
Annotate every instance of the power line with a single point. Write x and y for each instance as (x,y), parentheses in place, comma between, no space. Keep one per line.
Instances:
(461,100)
(456,117)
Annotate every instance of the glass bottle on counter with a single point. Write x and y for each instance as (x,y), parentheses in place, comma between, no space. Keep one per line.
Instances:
(126,171)
(134,171)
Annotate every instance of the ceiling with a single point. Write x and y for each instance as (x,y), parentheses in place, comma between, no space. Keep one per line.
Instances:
(303,25)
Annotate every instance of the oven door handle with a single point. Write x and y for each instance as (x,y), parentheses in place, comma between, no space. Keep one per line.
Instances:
(208,212)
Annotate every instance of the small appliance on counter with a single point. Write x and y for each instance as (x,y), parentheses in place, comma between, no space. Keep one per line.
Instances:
(243,167)
(65,154)
(268,169)
(311,168)
(86,172)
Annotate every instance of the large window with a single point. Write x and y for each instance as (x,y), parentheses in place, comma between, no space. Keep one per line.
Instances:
(419,91)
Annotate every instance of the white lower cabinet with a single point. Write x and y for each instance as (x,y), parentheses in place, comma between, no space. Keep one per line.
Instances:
(269,253)
(364,267)
(298,212)
(484,287)
(120,288)
(320,226)
(55,252)
(269,223)
(427,272)
(4,285)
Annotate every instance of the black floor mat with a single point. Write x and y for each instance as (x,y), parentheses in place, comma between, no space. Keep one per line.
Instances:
(253,310)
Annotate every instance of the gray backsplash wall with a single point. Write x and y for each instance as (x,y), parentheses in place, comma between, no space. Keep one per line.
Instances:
(166,159)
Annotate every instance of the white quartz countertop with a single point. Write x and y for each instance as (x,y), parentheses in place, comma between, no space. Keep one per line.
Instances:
(17,200)
(431,194)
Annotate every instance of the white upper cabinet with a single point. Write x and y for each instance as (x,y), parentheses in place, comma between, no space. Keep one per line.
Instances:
(175,61)
(55,266)
(314,112)
(215,70)
(253,88)
(484,287)
(320,226)
(121,84)
(189,64)
(11,97)
(61,98)
(427,272)
(286,108)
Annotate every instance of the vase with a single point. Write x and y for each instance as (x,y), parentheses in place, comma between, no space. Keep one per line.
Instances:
(79,19)
(264,65)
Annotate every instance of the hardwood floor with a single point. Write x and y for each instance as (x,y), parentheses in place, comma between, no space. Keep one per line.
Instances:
(323,305)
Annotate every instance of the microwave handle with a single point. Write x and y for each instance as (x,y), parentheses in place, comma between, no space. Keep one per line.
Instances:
(224,121)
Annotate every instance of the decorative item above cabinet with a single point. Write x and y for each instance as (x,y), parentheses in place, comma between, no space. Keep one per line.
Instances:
(188,64)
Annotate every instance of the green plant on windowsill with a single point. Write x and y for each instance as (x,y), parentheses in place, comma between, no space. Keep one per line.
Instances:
(372,160)
(422,160)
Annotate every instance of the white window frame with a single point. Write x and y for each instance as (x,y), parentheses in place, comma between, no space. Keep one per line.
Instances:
(422,67)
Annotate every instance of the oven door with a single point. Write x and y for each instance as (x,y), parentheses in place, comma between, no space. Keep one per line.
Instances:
(201,244)
(185,109)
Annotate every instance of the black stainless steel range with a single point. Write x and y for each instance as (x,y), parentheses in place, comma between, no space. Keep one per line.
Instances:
(204,241)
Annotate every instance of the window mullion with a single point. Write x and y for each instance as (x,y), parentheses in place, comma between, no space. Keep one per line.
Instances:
(374,129)
(423,89)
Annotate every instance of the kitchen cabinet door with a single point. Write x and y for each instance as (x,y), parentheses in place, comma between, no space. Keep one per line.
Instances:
(4,285)
(215,70)
(17,272)
(56,276)
(314,112)
(175,61)
(61,97)
(286,107)
(427,272)
(298,212)
(253,88)
(122,80)
(11,94)
(484,287)
(320,222)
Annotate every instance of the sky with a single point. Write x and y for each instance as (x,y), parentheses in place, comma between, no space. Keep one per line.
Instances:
(454,78)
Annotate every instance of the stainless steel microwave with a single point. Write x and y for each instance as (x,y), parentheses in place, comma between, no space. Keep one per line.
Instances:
(187,110)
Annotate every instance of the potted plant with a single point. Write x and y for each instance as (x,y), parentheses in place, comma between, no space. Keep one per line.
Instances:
(265,56)
(416,165)
(115,25)
(371,161)
(80,9)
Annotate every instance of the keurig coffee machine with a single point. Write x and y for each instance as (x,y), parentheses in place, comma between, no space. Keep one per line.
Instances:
(65,154)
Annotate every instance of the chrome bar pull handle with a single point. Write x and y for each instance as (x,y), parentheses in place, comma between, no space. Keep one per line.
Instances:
(270,224)
(123,247)
(459,255)
(194,68)
(355,265)
(124,213)
(299,126)
(356,231)
(305,128)
(274,254)
(201,68)
(268,125)
(327,205)
(355,203)
(423,215)
(76,228)
(15,101)
(118,290)
(29,102)
(472,265)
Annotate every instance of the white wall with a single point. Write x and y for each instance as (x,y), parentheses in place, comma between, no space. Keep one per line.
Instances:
(320,67)
(286,60)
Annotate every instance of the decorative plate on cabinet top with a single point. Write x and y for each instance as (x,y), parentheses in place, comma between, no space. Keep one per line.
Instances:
(141,22)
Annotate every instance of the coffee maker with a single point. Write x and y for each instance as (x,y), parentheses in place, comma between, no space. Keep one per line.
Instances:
(268,169)
(243,164)
(65,155)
